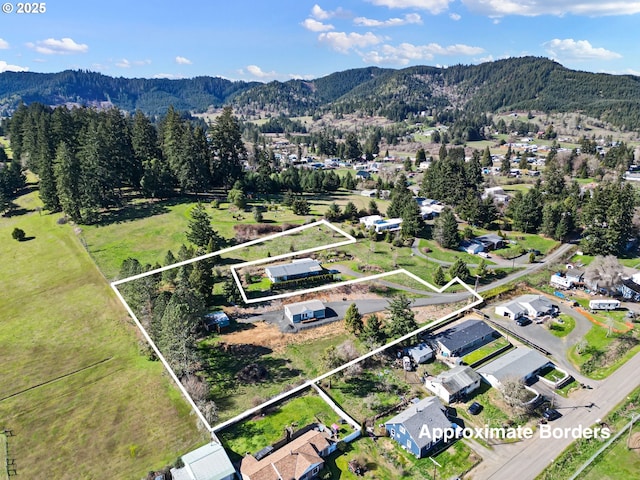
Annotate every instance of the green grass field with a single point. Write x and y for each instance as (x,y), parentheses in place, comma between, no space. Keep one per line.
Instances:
(81,400)
(146,230)
(617,462)
(254,434)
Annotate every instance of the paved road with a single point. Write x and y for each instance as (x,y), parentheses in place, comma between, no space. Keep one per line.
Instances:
(527,459)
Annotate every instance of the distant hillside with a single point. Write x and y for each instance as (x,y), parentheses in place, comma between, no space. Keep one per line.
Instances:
(526,83)
(152,96)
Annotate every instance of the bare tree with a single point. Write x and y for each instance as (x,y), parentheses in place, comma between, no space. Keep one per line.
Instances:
(347,351)
(603,272)
(515,395)
(196,386)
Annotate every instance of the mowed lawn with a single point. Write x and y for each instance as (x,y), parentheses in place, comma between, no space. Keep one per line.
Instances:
(80,400)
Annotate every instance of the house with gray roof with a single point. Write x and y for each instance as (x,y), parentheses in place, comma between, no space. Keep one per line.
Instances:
(463,338)
(490,241)
(297,269)
(416,428)
(305,311)
(209,462)
(521,363)
(530,305)
(455,384)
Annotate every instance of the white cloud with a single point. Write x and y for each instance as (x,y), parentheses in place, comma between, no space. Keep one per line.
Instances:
(454,16)
(410,18)
(570,49)
(295,76)
(343,42)
(593,8)
(405,53)
(3,44)
(182,60)
(124,63)
(433,6)
(319,14)
(256,71)
(5,67)
(64,46)
(316,26)
(169,76)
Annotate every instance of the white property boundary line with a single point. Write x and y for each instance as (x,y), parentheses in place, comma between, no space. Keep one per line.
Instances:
(308,383)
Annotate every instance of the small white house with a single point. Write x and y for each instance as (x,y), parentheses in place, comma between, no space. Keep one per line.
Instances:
(454,384)
(370,220)
(560,281)
(391,225)
(497,193)
(420,353)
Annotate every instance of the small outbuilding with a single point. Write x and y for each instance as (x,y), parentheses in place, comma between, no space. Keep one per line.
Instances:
(305,311)
(209,462)
(420,353)
(216,321)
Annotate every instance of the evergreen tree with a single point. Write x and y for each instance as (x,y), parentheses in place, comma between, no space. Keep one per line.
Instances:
(486,161)
(373,331)
(350,211)
(200,231)
(228,149)
(333,213)
(400,318)
(445,230)
(177,339)
(68,190)
(459,269)
(301,206)
(353,320)
(438,276)
(169,275)
(412,223)
(373,208)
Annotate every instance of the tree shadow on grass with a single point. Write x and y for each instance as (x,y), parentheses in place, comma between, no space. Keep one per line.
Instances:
(137,211)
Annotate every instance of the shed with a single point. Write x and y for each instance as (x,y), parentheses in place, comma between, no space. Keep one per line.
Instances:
(420,353)
(305,311)
(209,462)
(511,309)
(216,321)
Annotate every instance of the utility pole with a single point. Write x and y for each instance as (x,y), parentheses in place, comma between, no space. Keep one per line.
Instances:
(435,464)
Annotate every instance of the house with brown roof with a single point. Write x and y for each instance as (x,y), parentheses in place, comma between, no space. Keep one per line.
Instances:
(300,459)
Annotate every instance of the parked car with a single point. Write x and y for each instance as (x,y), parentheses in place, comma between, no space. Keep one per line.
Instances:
(534,251)
(522,321)
(475,408)
(484,255)
(551,414)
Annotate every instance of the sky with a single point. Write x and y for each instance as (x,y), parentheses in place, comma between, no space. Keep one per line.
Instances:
(265,40)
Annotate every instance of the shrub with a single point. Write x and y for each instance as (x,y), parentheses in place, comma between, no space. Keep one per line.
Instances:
(18,234)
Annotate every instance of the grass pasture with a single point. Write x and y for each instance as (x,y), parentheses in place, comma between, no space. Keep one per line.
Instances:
(80,399)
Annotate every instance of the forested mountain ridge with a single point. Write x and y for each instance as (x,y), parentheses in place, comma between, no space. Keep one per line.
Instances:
(525,83)
(151,95)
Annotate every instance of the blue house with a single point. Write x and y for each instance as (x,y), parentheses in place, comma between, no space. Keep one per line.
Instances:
(305,311)
(420,428)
